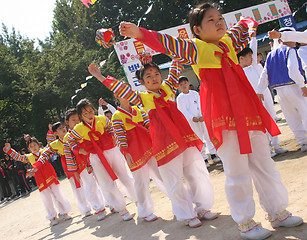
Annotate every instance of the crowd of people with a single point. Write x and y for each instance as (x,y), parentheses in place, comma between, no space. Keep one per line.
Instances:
(150,136)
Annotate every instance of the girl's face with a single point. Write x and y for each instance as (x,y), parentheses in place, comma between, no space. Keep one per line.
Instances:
(152,79)
(212,27)
(33,147)
(88,114)
(73,121)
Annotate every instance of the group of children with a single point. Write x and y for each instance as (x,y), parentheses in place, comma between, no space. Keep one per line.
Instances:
(156,140)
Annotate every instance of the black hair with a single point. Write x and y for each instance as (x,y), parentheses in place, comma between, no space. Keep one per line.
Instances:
(82,104)
(244,52)
(197,14)
(183,79)
(140,73)
(107,111)
(69,113)
(33,139)
(56,125)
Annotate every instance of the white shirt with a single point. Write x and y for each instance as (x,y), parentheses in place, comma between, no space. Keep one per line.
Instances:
(302,52)
(189,104)
(109,107)
(293,69)
(291,36)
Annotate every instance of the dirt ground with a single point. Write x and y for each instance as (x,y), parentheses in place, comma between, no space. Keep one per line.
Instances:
(24,218)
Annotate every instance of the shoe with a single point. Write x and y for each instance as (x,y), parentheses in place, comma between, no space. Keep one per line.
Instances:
(216,159)
(207,215)
(53,222)
(304,147)
(291,221)
(207,163)
(65,216)
(280,150)
(152,217)
(126,216)
(257,233)
(101,215)
(193,222)
(87,214)
(278,119)
(273,154)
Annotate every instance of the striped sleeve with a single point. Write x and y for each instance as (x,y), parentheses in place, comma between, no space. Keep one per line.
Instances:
(46,154)
(146,119)
(120,134)
(108,128)
(183,50)
(50,137)
(122,90)
(242,32)
(73,140)
(70,159)
(17,156)
(173,76)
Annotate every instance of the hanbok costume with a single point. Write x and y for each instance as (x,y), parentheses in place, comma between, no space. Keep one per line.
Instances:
(132,135)
(175,146)
(106,159)
(88,188)
(47,183)
(235,118)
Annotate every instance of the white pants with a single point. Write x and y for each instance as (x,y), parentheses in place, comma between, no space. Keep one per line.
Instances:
(201,131)
(54,194)
(110,191)
(243,169)
(142,180)
(190,166)
(269,106)
(90,191)
(294,107)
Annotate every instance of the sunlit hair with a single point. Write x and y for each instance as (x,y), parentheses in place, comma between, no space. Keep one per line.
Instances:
(197,14)
(31,140)
(140,73)
(56,125)
(81,105)
(69,113)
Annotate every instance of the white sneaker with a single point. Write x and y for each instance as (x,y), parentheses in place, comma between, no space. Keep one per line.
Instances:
(280,150)
(126,216)
(101,215)
(193,222)
(273,154)
(303,147)
(207,163)
(216,159)
(53,222)
(207,215)
(65,216)
(152,217)
(291,221)
(257,233)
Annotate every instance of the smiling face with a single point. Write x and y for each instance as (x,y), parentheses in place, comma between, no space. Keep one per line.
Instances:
(184,86)
(152,79)
(212,27)
(33,147)
(88,114)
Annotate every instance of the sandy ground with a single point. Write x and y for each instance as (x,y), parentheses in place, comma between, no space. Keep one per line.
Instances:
(25,218)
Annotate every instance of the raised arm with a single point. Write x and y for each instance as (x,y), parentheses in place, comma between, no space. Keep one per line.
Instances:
(15,155)
(173,77)
(46,154)
(254,47)
(242,32)
(182,50)
(120,134)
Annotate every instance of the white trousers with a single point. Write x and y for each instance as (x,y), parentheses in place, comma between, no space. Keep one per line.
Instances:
(243,169)
(201,131)
(294,107)
(190,166)
(109,188)
(54,194)
(89,191)
(142,180)
(269,106)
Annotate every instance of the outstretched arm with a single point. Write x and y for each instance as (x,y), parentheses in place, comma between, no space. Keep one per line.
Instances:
(173,77)
(15,155)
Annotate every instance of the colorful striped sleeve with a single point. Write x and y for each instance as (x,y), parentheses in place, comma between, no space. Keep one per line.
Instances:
(173,76)
(17,156)
(73,140)
(46,154)
(146,119)
(70,159)
(109,128)
(122,90)
(183,50)
(50,137)
(242,32)
(120,134)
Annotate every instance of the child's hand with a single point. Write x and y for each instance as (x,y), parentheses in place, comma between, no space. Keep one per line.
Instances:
(50,127)
(260,96)
(77,176)
(195,119)
(102,102)
(129,29)
(304,89)
(274,34)
(129,159)
(95,71)
(82,151)
(6,147)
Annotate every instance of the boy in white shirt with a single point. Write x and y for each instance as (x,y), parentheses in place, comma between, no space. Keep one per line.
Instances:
(248,61)
(188,102)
